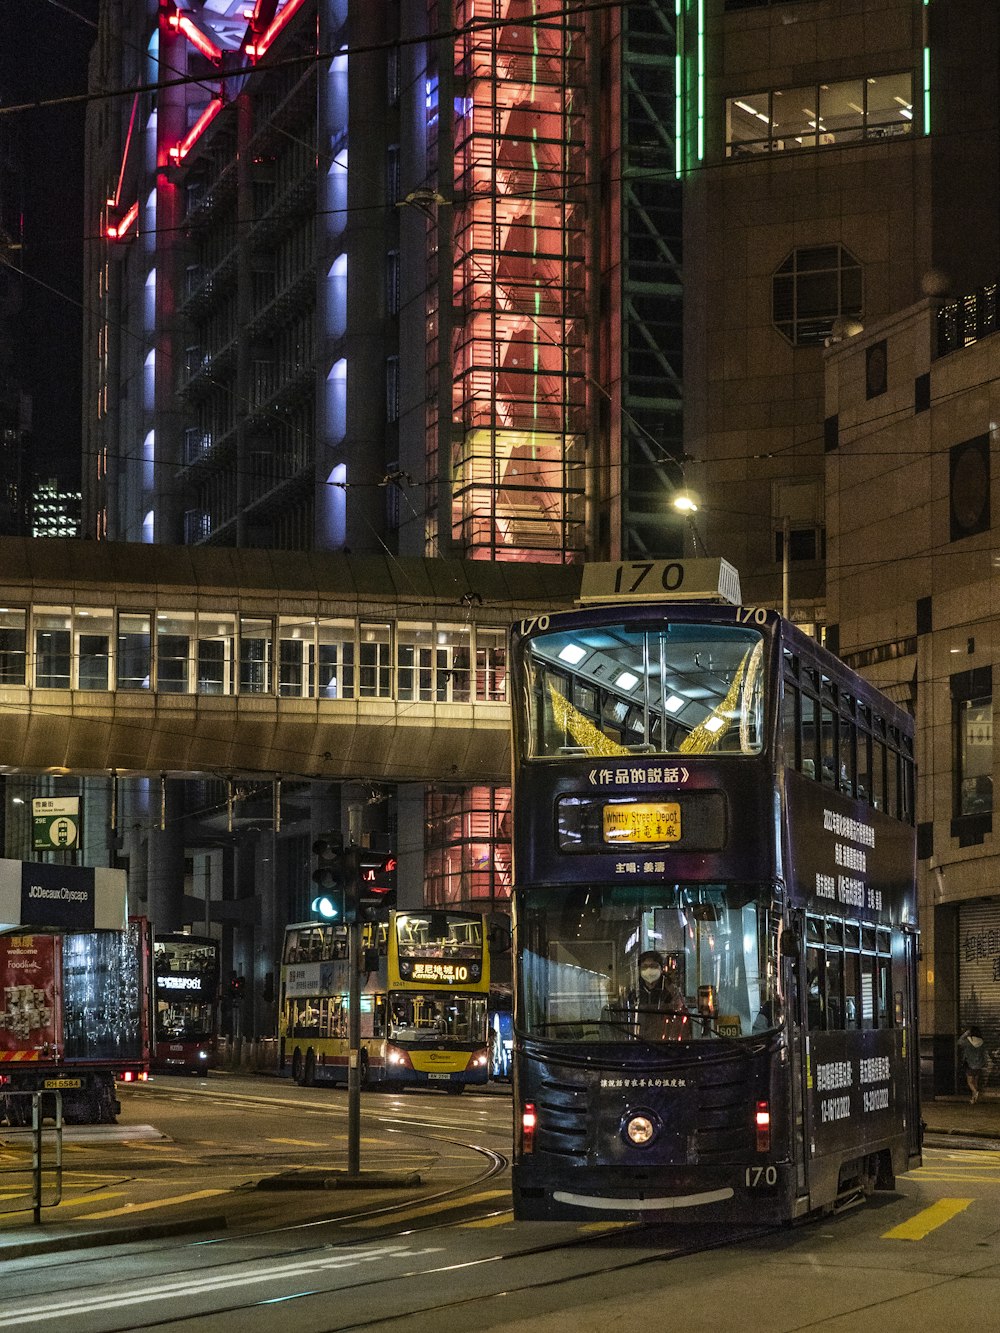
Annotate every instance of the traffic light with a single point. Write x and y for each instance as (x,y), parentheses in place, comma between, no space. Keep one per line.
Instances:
(378,883)
(335,875)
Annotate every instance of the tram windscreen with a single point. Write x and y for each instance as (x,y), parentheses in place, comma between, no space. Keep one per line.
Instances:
(653,964)
(614,689)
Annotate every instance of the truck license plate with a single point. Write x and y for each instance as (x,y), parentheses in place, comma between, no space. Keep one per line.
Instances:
(62,1083)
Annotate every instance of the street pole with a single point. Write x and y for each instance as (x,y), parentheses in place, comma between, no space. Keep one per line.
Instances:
(785,535)
(354,1052)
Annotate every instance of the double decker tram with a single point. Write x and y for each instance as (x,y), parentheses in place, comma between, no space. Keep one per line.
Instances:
(714,910)
(424,990)
(186,983)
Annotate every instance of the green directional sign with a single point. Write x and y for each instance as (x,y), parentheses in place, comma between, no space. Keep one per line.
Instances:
(56,824)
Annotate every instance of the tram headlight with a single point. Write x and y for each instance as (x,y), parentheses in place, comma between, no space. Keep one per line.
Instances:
(640,1128)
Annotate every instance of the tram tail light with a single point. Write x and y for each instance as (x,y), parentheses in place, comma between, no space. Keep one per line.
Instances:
(528,1122)
(762,1124)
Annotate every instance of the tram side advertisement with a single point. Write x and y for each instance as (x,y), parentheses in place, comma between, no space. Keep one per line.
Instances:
(851,863)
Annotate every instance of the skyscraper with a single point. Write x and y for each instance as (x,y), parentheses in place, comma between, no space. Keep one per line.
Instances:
(403,273)
(392,277)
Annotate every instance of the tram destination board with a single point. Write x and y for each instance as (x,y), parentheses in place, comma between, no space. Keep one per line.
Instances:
(642,822)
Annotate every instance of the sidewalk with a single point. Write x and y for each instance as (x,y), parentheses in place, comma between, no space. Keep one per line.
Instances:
(955,1115)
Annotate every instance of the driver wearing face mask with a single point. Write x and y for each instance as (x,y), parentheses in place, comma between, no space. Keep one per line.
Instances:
(660,1008)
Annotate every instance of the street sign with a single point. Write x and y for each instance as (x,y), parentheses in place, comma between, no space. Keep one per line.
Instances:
(56,824)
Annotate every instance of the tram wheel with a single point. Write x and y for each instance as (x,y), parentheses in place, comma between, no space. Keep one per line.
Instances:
(297,1066)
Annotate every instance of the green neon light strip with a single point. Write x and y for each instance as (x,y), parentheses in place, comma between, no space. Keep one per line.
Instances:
(927,90)
(678,93)
(701,80)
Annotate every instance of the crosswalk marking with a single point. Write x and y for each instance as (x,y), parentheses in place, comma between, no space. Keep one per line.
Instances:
(928,1220)
(407,1213)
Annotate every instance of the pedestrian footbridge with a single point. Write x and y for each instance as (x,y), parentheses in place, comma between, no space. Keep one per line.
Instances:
(140,659)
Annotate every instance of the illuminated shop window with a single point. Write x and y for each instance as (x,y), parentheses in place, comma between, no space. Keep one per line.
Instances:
(820,115)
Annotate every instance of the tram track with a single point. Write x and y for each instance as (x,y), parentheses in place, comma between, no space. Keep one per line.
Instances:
(200,1274)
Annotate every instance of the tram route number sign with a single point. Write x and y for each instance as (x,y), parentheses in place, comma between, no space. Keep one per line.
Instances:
(55,824)
(639,822)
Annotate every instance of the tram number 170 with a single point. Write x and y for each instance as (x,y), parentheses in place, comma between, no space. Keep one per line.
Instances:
(755,1176)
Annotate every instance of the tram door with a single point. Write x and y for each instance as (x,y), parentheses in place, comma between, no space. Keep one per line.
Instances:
(911,1038)
(798,1042)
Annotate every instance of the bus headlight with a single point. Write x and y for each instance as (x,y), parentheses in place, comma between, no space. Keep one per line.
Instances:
(640,1128)
(478,1059)
(397,1058)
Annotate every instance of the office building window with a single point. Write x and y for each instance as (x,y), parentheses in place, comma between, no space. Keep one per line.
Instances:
(972,715)
(820,115)
(815,286)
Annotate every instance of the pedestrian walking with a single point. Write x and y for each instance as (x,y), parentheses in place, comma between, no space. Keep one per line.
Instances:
(972,1050)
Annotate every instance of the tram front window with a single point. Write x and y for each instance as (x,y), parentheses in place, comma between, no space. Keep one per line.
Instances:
(650,963)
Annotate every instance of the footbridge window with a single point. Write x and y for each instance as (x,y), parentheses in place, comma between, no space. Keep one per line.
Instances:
(180,651)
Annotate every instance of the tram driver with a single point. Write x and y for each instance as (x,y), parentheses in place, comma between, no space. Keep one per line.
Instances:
(660,1011)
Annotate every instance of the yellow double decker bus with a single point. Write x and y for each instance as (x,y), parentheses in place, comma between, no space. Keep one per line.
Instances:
(424,991)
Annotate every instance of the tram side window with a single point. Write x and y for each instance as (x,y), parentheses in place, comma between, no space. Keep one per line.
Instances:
(853,999)
(892,784)
(810,737)
(828,746)
(790,727)
(848,766)
(864,764)
(816,984)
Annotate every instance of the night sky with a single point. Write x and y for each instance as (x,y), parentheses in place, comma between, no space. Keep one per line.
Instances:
(44,48)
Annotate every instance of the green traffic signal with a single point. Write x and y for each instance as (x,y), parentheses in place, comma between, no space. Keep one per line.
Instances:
(329,906)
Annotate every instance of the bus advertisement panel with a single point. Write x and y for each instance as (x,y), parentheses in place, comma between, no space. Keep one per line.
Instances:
(715,919)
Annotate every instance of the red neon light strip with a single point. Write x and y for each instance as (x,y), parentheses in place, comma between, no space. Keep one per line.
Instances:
(117,230)
(195,36)
(180,151)
(259,48)
(128,143)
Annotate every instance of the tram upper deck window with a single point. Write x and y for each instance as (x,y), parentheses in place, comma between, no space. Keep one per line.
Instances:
(629,689)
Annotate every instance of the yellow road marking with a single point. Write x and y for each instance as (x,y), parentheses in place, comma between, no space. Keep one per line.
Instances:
(153,1203)
(501,1220)
(407,1213)
(928,1220)
(299,1143)
(605,1226)
(941,1179)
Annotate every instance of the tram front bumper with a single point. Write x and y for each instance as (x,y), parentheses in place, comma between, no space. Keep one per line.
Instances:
(730,1193)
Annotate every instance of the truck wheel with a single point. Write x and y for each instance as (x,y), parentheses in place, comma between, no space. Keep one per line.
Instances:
(297,1066)
(309,1074)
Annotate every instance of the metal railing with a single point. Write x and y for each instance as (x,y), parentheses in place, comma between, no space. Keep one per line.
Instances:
(22,1152)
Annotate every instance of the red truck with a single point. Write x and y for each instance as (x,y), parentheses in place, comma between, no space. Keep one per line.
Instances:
(75,1014)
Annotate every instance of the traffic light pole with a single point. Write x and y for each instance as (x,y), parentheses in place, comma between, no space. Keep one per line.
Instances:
(354,1051)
